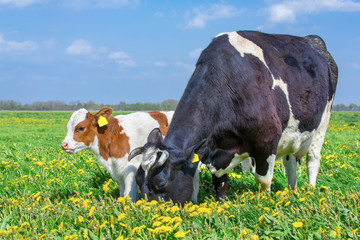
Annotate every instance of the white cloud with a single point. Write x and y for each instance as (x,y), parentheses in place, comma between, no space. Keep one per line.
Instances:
(354,65)
(289,10)
(199,16)
(80,4)
(185,65)
(122,59)
(17,47)
(80,47)
(19,3)
(160,64)
(195,53)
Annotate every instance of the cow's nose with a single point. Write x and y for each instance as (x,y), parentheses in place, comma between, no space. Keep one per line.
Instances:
(64,145)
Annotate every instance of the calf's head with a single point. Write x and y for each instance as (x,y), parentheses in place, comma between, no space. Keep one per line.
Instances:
(165,173)
(83,127)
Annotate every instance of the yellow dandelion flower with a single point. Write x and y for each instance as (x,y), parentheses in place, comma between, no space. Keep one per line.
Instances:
(138,229)
(123,225)
(275,214)
(92,210)
(297,224)
(157,224)
(25,224)
(44,208)
(220,210)
(104,224)
(255,237)
(321,200)
(267,209)
(301,199)
(176,225)
(121,216)
(261,218)
(60,226)
(244,232)
(287,203)
(181,234)
(163,229)
(86,203)
(36,195)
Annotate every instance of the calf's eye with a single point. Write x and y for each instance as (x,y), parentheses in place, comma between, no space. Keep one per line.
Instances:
(80,129)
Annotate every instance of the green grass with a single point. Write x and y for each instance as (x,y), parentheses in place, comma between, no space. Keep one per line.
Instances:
(47,194)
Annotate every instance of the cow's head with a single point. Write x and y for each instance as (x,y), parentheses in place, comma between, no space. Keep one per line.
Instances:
(83,127)
(164,172)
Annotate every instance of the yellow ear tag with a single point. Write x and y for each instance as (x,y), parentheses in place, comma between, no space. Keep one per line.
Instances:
(102,121)
(195,158)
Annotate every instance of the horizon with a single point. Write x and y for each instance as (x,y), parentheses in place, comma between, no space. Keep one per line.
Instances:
(133,51)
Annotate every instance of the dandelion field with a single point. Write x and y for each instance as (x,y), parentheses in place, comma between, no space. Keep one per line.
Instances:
(48,194)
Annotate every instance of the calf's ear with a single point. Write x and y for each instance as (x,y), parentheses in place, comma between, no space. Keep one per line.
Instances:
(102,116)
(105,112)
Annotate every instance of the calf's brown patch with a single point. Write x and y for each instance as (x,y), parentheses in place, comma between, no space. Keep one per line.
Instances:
(162,120)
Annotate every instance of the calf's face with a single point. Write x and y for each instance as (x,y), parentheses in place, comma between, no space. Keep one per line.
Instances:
(82,129)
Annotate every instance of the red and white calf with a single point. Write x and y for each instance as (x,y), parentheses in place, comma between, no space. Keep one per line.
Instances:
(112,138)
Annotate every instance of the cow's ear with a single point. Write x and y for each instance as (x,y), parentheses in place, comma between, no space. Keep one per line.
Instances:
(199,152)
(155,136)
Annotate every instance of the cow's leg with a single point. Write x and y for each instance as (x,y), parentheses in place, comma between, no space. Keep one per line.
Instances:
(264,171)
(313,155)
(290,164)
(220,184)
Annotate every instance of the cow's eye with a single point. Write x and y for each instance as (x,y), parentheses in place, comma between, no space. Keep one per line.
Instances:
(80,129)
(161,185)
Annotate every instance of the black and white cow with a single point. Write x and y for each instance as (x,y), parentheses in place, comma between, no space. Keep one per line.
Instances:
(252,96)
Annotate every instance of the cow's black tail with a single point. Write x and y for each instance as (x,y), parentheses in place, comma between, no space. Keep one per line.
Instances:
(318,44)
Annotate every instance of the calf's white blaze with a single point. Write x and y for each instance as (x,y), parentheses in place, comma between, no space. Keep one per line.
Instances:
(77,117)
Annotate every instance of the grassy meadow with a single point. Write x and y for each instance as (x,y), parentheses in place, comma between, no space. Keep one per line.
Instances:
(48,194)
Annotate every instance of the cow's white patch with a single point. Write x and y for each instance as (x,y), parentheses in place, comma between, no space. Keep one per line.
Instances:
(265,181)
(292,141)
(234,162)
(149,159)
(245,46)
(313,157)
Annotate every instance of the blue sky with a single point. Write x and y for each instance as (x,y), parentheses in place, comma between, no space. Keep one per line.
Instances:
(109,51)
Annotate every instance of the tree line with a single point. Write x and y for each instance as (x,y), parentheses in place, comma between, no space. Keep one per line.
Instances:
(11,105)
(168,105)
